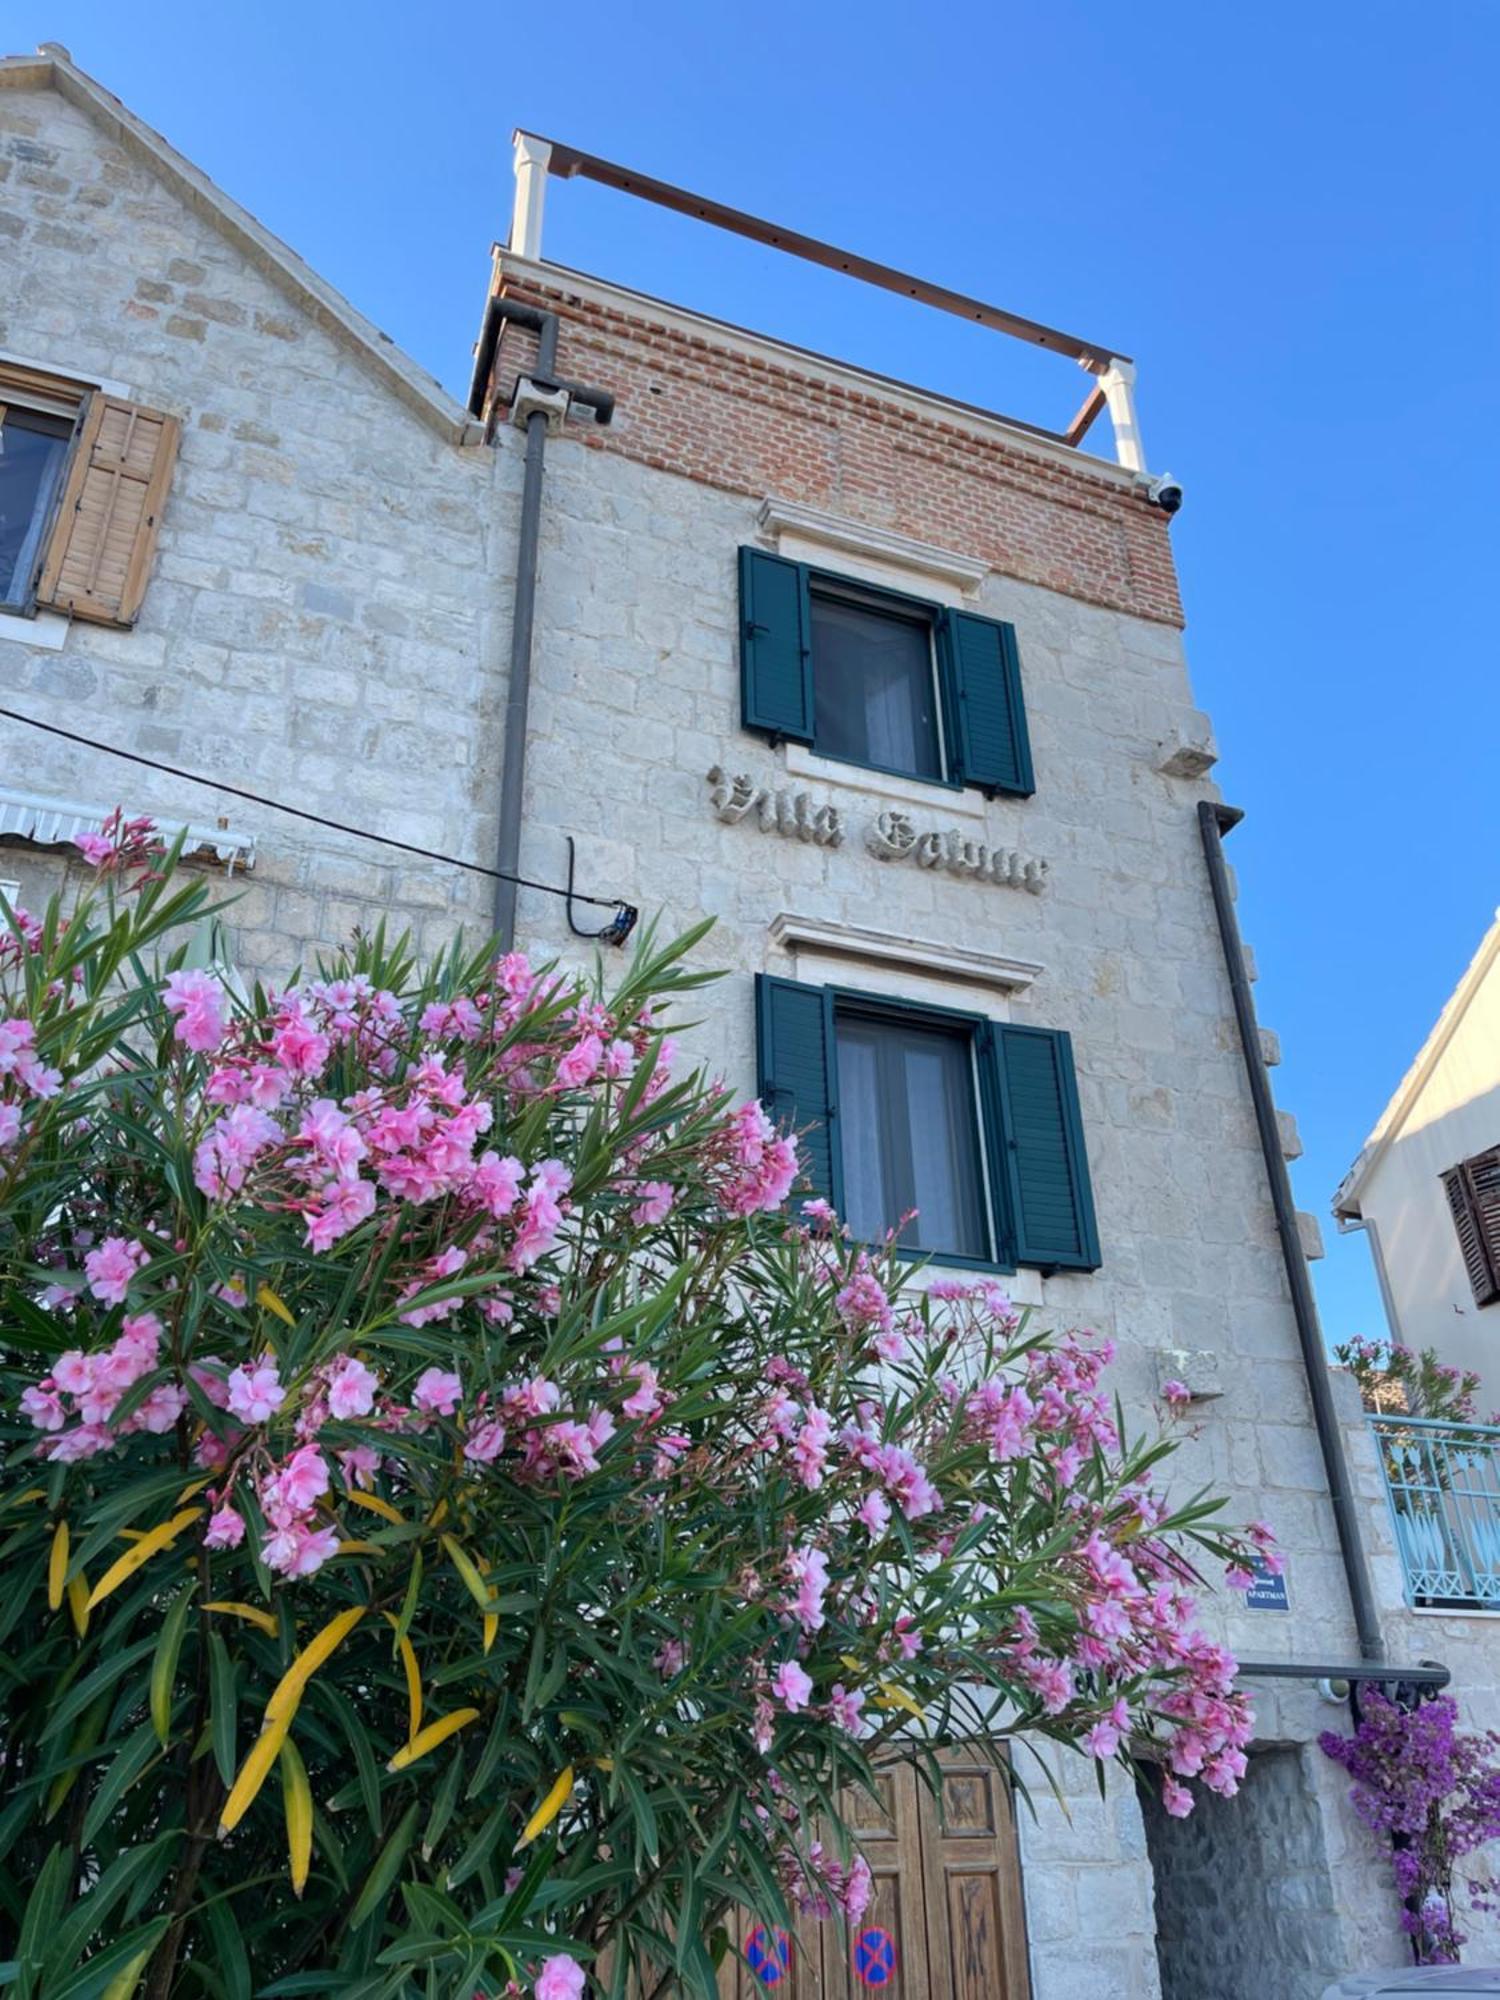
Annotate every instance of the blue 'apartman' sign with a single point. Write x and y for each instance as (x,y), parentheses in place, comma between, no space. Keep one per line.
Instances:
(1268,1592)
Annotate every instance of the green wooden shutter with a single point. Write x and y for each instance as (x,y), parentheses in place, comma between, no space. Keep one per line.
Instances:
(776,690)
(1047,1175)
(983,672)
(799,1074)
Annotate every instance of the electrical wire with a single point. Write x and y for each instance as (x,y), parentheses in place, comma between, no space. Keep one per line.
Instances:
(616,931)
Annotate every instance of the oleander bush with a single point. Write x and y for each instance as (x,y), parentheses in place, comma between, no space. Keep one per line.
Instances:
(464,1521)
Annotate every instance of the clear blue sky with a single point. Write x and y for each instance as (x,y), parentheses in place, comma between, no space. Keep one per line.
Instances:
(1286,213)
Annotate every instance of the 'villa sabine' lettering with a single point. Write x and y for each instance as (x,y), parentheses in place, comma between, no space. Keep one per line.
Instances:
(891,836)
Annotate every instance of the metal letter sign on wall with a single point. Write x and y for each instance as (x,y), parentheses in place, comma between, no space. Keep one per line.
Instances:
(890,836)
(1268,1592)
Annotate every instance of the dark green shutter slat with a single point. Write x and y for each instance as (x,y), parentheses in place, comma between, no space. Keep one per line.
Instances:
(798,1074)
(983,668)
(1052,1206)
(776,691)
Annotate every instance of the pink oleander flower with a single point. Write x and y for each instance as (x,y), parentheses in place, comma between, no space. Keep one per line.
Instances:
(654,1205)
(10,1124)
(485,1442)
(359,1465)
(671,1658)
(437,1392)
(791,1686)
(336,1209)
(255,1392)
(764,1165)
(578,1066)
(294,1491)
(1177,1395)
(225,1530)
(645,1400)
(94,848)
(42,1407)
(807,1570)
(1177,1799)
(560,1978)
(160,1410)
(844,1707)
(111,1267)
(352,1387)
(1237,1577)
(196,998)
(85,1441)
(299,1550)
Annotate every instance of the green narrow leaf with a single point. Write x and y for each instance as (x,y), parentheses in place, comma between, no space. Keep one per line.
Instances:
(387,1868)
(223,1706)
(164,1665)
(115,1972)
(442,1805)
(117,1780)
(43,1908)
(367,1771)
(229,1959)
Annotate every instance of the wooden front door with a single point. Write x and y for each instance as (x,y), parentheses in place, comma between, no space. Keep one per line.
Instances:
(945,1920)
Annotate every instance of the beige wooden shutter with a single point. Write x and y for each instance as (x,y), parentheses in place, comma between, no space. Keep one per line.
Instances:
(101,546)
(1473,1191)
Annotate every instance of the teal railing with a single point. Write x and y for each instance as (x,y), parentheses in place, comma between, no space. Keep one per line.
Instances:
(1443,1483)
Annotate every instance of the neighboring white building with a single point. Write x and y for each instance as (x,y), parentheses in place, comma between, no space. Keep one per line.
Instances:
(892,686)
(1426,1186)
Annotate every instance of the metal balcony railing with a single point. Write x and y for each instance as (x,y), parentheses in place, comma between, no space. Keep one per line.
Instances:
(1443,1483)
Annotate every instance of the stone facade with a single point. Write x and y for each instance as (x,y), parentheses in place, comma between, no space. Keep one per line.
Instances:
(326,626)
(330,592)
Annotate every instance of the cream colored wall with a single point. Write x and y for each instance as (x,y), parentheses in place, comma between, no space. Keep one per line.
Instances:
(1455,1115)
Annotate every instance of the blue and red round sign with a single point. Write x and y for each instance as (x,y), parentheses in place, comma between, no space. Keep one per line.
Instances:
(768,1955)
(875,1957)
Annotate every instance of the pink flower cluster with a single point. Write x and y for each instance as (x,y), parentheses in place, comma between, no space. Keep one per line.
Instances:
(21,1071)
(89,1388)
(761,1164)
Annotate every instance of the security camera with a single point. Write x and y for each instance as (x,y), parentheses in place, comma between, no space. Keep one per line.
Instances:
(1165,492)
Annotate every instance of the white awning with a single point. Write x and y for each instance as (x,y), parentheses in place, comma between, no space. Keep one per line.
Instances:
(39,821)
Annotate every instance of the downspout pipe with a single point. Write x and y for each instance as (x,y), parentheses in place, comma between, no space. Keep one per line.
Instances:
(1213,822)
(523,614)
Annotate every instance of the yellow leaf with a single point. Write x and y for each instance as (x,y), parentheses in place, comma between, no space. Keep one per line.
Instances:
(191,1491)
(434,1734)
(895,1697)
(413,1678)
(464,1563)
(548,1810)
(57,1567)
(254,1772)
(123,1985)
(253,1614)
(491,1620)
(438,1515)
(604,1763)
(296,1798)
(352,1548)
(264,1296)
(848,1661)
(125,1566)
(78,1602)
(376,1505)
(25,1499)
(288,1690)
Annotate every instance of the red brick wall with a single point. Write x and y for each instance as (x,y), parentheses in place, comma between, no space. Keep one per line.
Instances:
(759,426)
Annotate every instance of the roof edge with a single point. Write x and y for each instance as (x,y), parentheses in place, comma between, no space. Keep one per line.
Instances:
(867,381)
(326,306)
(1390,1121)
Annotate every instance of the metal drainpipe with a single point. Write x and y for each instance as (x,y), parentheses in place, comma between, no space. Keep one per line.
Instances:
(1213,822)
(523,616)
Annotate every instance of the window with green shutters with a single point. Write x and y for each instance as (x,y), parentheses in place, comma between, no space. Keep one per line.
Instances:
(973,1123)
(876,678)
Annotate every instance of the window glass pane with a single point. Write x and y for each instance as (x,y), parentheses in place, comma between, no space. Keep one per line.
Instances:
(875,696)
(32,450)
(911,1134)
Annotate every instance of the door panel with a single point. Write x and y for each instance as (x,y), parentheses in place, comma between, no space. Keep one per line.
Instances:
(976,1935)
(885,1953)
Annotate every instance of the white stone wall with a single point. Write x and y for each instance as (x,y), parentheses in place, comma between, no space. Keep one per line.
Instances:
(331,589)
(1454,1115)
